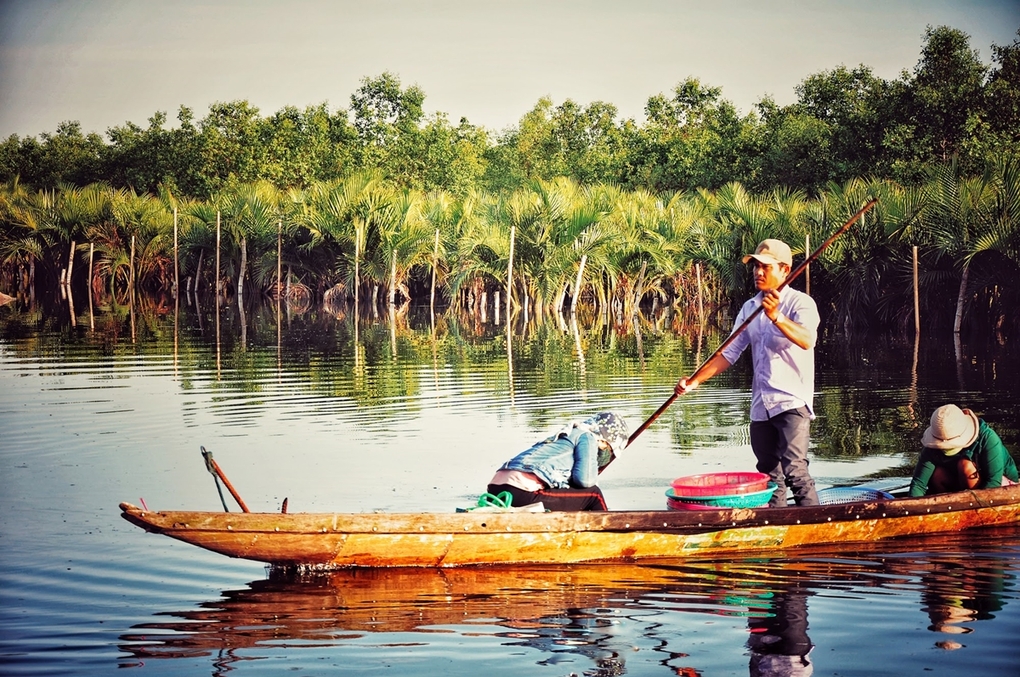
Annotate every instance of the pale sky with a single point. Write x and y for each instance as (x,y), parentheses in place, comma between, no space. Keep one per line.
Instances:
(108,62)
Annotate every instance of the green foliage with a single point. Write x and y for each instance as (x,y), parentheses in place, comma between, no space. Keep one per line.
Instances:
(612,211)
(693,140)
(847,123)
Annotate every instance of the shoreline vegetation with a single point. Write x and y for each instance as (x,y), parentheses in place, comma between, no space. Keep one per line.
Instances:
(381,205)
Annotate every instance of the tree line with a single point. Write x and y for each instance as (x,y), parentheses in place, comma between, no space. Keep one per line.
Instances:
(381,202)
(846,123)
(543,248)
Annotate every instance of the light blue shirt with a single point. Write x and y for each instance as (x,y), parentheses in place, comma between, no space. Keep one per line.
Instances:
(567,459)
(784,373)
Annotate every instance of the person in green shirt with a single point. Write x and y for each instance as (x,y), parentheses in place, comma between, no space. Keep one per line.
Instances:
(961,452)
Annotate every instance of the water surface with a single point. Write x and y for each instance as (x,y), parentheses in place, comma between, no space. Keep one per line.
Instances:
(411,415)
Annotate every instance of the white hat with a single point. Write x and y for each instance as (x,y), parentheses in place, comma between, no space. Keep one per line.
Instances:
(951,428)
(771,251)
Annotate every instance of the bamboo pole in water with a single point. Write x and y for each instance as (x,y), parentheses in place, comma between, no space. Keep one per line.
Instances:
(435,264)
(177,270)
(92,317)
(279,293)
(701,302)
(131,272)
(510,274)
(217,255)
(131,288)
(917,309)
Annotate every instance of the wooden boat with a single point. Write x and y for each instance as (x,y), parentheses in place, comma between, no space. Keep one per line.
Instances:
(337,540)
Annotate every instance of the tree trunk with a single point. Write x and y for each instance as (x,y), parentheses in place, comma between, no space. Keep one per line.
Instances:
(393,280)
(240,275)
(510,274)
(577,284)
(557,305)
(639,289)
(198,268)
(961,299)
(70,263)
(357,272)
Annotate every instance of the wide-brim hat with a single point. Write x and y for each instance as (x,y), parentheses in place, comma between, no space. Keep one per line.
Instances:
(771,251)
(612,428)
(951,428)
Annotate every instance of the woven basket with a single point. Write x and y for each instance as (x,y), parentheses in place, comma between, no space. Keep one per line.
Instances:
(754,499)
(838,495)
(720,484)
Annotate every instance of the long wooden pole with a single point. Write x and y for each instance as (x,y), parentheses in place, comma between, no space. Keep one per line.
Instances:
(736,332)
(807,271)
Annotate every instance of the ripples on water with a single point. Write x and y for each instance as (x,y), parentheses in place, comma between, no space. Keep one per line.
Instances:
(404,420)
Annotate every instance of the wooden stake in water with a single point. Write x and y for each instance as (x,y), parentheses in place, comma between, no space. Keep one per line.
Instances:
(917,309)
(701,304)
(435,265)
(92,317)
(217,255)
(177,274)
(510,274)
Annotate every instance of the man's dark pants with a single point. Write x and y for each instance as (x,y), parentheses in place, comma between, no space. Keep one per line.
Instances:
(781,446)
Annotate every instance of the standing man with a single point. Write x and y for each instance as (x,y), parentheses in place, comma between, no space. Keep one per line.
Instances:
(782,339)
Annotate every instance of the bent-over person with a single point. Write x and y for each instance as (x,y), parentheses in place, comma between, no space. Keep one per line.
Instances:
(562,470)
(960,452)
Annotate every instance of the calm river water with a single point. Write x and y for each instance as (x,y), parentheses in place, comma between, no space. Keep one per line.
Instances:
(407,415)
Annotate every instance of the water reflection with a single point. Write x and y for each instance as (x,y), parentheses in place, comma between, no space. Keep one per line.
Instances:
(958,593)
(871,400)
(596,617)
(778,641)
(346,416)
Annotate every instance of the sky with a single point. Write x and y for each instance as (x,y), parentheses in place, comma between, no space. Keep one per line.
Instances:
(108,62)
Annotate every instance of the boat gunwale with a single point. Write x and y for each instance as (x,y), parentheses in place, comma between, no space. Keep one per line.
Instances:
(624,521)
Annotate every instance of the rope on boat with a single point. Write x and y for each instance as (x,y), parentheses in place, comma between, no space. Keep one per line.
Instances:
(214,467)
(207,456)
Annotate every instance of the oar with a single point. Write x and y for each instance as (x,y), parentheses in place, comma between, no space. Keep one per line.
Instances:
(736,332)
(213,467)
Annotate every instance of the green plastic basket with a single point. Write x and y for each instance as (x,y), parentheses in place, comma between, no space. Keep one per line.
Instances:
(754,499)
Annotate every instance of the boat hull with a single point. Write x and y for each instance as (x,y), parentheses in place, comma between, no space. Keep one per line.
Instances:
(325,540)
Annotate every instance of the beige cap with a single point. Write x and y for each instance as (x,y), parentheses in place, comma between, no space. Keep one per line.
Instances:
(771,251)
(951,428)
